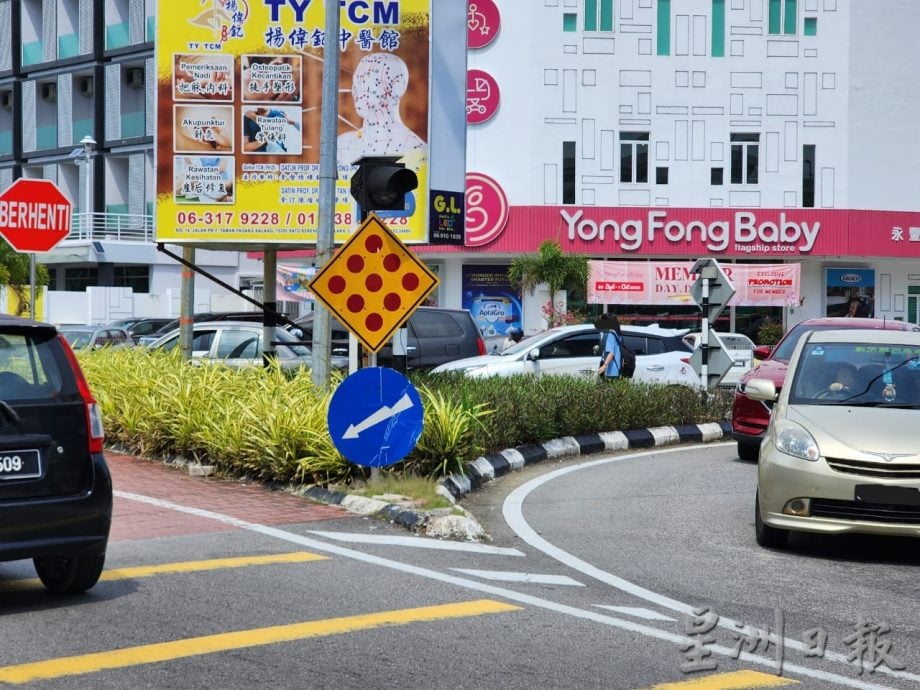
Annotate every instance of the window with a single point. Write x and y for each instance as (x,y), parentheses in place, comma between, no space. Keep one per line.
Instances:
(661,175)
(664,27)
(598,15)
(715,176)
(569,22)
(783,15)
(745,155)
(718,28)
(811,26)
(78,279)
(808,175)
(135,277)
(568,172)
(634,157)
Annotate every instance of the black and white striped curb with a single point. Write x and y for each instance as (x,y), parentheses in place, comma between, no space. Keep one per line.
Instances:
(485,469)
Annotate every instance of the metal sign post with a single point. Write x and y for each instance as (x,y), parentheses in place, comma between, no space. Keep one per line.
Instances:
(712,291)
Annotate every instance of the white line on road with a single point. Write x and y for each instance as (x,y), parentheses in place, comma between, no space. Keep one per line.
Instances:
(417,543)
(509,594)
(514,516)
(637,611)
(529,578)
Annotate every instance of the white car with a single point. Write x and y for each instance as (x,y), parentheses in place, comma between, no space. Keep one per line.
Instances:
(661,355)
(738,346)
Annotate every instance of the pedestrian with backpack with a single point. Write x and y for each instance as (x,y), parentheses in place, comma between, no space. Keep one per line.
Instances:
(612,352)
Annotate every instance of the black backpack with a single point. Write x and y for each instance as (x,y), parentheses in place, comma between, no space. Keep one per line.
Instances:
(627,356)
(627,359)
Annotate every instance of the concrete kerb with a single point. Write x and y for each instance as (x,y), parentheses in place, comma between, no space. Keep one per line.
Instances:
(446,524)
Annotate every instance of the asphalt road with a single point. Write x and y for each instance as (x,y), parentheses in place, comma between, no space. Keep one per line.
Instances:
(591,580)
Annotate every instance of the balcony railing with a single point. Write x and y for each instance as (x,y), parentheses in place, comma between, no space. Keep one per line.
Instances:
(111,226)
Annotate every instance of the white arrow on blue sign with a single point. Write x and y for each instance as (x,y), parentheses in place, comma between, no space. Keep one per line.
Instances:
(375,417)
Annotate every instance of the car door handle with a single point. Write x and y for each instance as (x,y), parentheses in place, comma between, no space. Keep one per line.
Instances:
(655,367)
(411,348)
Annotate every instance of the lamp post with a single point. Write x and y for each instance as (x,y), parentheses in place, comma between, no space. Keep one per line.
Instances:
(89,147)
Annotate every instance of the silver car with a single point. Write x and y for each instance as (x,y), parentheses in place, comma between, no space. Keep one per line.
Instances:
(239,343)
(840,453)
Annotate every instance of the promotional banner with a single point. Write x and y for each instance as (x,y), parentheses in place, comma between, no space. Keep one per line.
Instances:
(669,282)
(239,89)
(489,297)
(850,292)
(293,282)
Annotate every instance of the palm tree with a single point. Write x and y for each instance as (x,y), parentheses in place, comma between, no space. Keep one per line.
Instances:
(551,265)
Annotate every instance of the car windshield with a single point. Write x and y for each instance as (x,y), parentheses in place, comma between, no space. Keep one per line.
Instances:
(77,338)
(523,345)
(865,374)
(786,347)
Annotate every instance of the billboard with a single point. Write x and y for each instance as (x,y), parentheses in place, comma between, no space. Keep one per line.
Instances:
(239,88)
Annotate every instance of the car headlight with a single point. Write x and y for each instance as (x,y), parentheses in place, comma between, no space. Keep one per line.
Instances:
(793,439)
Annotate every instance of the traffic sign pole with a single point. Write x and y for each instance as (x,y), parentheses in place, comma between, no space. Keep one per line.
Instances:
(712,291)
(33,313)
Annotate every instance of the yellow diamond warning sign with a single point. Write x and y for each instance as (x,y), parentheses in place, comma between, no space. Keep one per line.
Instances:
(373,283)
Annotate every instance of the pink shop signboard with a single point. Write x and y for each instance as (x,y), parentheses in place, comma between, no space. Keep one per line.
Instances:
(736,232)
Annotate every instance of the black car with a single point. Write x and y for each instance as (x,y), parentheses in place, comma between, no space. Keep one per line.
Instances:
(434,336)
(172,324)
(55,487)
(143,327)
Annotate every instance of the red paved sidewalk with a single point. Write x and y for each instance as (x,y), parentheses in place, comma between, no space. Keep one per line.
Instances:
(246,501)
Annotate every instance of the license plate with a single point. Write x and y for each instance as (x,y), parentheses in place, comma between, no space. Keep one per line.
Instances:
(20,464)
(893,495)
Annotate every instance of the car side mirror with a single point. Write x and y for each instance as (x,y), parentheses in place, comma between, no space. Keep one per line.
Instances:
(762,351)
(760,389)
(534,354)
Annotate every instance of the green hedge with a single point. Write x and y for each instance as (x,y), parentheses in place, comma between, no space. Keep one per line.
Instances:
(271,424)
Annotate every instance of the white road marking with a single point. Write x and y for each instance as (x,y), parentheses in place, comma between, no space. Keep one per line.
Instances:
(417,543)
(509,594)
(638,612)
(529,578)
(514,516)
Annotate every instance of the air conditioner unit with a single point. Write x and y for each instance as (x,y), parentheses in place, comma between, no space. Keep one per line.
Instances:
(6,99)
(49,91)
(86,86)
(134,77)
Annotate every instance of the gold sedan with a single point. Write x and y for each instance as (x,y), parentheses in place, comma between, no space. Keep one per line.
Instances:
(842,451)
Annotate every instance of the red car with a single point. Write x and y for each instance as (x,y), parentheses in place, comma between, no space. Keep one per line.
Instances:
(750,417)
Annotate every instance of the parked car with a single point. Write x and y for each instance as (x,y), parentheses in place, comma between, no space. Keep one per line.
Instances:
(662,356)
(173,324)
(94,337)
(750,417)
(239,343)
(143,327)
(840,453)
(55,487)
(434,336)
(738,346)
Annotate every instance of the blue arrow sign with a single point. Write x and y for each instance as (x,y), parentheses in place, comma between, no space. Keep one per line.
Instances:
(375,417)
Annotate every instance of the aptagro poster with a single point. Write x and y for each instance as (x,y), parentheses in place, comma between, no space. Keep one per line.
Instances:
(239,85)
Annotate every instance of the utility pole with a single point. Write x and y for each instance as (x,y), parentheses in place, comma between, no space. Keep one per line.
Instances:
(328,176)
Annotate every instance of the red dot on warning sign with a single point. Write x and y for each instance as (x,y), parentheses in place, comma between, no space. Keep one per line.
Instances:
(391,262)
(392,301)
(373,282)
(373,244)
(336,284)
(410,281)
(374,322)
(355,263)
(355,303)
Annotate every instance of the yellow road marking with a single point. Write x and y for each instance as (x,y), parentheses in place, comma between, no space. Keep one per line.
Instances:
(738,680)
(183,567)
(222,642)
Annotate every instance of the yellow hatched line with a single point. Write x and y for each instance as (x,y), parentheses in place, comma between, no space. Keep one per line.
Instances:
(182,567)
(210,644)
(738,680)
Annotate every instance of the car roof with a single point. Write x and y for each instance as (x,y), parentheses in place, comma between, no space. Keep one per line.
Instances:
(859,323)
(868,335)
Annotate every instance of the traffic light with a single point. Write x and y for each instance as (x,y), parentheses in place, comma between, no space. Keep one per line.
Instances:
(381,184)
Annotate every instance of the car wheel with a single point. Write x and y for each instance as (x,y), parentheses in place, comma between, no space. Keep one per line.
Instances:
(749,451)
(69,575)
(772,537)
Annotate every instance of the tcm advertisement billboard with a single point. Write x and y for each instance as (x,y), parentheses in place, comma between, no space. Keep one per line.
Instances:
(239,88)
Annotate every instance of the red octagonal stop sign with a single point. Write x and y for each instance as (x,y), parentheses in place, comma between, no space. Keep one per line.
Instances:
(34,215)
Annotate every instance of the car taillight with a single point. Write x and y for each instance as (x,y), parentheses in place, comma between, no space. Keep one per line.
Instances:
(685,360)
(93,415)
(481,344)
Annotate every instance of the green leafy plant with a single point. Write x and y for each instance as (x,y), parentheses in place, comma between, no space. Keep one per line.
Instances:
(769,333)
(551,265)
